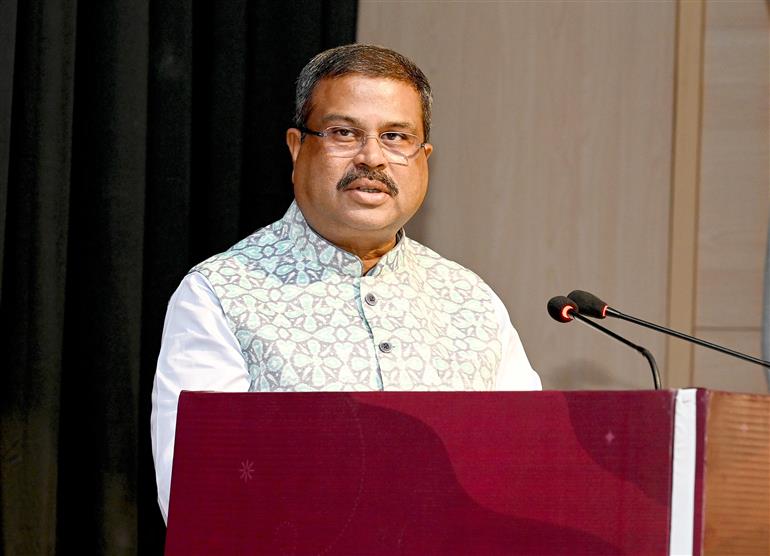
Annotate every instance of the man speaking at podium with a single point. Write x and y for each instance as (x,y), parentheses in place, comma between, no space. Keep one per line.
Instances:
(334,296)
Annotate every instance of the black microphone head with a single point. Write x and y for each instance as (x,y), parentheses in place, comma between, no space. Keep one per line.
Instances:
(588,304)
(560,307)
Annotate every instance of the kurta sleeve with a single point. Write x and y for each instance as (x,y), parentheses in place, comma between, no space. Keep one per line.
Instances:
(198,352)
(515,371)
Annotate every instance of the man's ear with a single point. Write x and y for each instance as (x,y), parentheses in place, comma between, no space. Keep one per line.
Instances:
(294,142)
(428,148)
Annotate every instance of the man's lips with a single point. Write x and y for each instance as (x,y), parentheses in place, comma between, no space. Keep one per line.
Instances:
(368,186)
(369,181)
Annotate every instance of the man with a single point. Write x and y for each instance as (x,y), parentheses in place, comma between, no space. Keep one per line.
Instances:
(334,296)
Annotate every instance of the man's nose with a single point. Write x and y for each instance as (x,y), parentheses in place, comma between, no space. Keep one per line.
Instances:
(371,153)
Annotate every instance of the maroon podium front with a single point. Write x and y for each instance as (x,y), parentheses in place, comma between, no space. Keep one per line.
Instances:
(422,473)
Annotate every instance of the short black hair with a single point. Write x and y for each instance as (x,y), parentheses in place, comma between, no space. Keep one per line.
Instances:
(366,59)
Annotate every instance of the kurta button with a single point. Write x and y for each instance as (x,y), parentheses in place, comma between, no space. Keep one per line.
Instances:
(385,347)
(370,299)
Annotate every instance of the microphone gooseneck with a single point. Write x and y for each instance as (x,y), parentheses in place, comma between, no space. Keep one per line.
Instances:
(563,309)
(589,304)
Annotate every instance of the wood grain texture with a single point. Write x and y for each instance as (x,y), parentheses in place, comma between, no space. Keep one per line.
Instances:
(685,183)
(735,167)
(552,167)
(737,475)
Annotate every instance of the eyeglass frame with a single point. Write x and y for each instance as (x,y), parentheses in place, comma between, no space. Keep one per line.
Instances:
(325,133)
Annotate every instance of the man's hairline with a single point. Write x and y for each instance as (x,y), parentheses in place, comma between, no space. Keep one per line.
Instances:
(416,89)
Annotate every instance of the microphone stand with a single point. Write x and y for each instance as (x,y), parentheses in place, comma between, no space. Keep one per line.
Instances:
(644,351)
(617,314)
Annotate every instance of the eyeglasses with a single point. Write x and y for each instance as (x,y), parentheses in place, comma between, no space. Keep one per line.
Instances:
(346,142)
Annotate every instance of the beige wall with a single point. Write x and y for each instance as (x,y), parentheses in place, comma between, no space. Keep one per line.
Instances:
(554,136)
(733,201)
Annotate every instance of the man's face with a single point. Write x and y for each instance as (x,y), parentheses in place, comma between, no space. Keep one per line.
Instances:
(364,211)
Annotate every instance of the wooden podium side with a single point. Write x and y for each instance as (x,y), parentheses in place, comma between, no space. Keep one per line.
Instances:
(736,498)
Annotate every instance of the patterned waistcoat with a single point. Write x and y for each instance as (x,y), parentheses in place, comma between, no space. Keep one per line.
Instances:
(306,319)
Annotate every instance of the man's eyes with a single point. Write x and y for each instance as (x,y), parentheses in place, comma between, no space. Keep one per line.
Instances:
(394,137)
(344,132)
(352,133)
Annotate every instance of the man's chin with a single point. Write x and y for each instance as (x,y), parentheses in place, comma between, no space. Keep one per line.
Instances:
(376,221)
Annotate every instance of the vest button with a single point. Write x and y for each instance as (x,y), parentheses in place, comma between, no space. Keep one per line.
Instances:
(370,299)
(385,347)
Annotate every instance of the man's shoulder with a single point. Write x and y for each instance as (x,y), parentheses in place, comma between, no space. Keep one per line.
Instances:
(430,260)
(247,252)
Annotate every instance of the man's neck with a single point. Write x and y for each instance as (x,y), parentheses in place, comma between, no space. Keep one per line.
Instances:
(369,248)
(369,256)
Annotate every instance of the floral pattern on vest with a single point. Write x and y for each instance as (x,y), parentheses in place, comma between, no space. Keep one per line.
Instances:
(307,320)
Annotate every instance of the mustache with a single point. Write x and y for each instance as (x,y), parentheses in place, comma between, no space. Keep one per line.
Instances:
(370,174)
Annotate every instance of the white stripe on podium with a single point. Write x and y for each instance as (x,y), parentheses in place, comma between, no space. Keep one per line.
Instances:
(683,474)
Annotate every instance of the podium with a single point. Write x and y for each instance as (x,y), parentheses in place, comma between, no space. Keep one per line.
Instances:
(487,473)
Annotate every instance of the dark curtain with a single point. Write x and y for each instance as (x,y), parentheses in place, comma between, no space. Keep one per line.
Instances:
(136,139)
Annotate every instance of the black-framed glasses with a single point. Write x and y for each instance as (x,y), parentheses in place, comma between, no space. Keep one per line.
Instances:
(346,142)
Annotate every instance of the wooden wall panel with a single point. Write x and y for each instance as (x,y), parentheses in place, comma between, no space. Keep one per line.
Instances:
(735,189)
(553,126)
(721,372)
(735,175)
(685,184)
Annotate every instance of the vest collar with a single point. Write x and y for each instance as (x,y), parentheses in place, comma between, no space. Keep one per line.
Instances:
(309,245)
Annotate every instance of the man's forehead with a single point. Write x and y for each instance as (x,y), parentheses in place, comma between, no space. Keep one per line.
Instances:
(333,96)
(347,119)
(365,78)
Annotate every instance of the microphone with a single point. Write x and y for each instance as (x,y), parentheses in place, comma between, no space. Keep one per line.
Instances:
(560,308)
(565,309)
(590,305)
